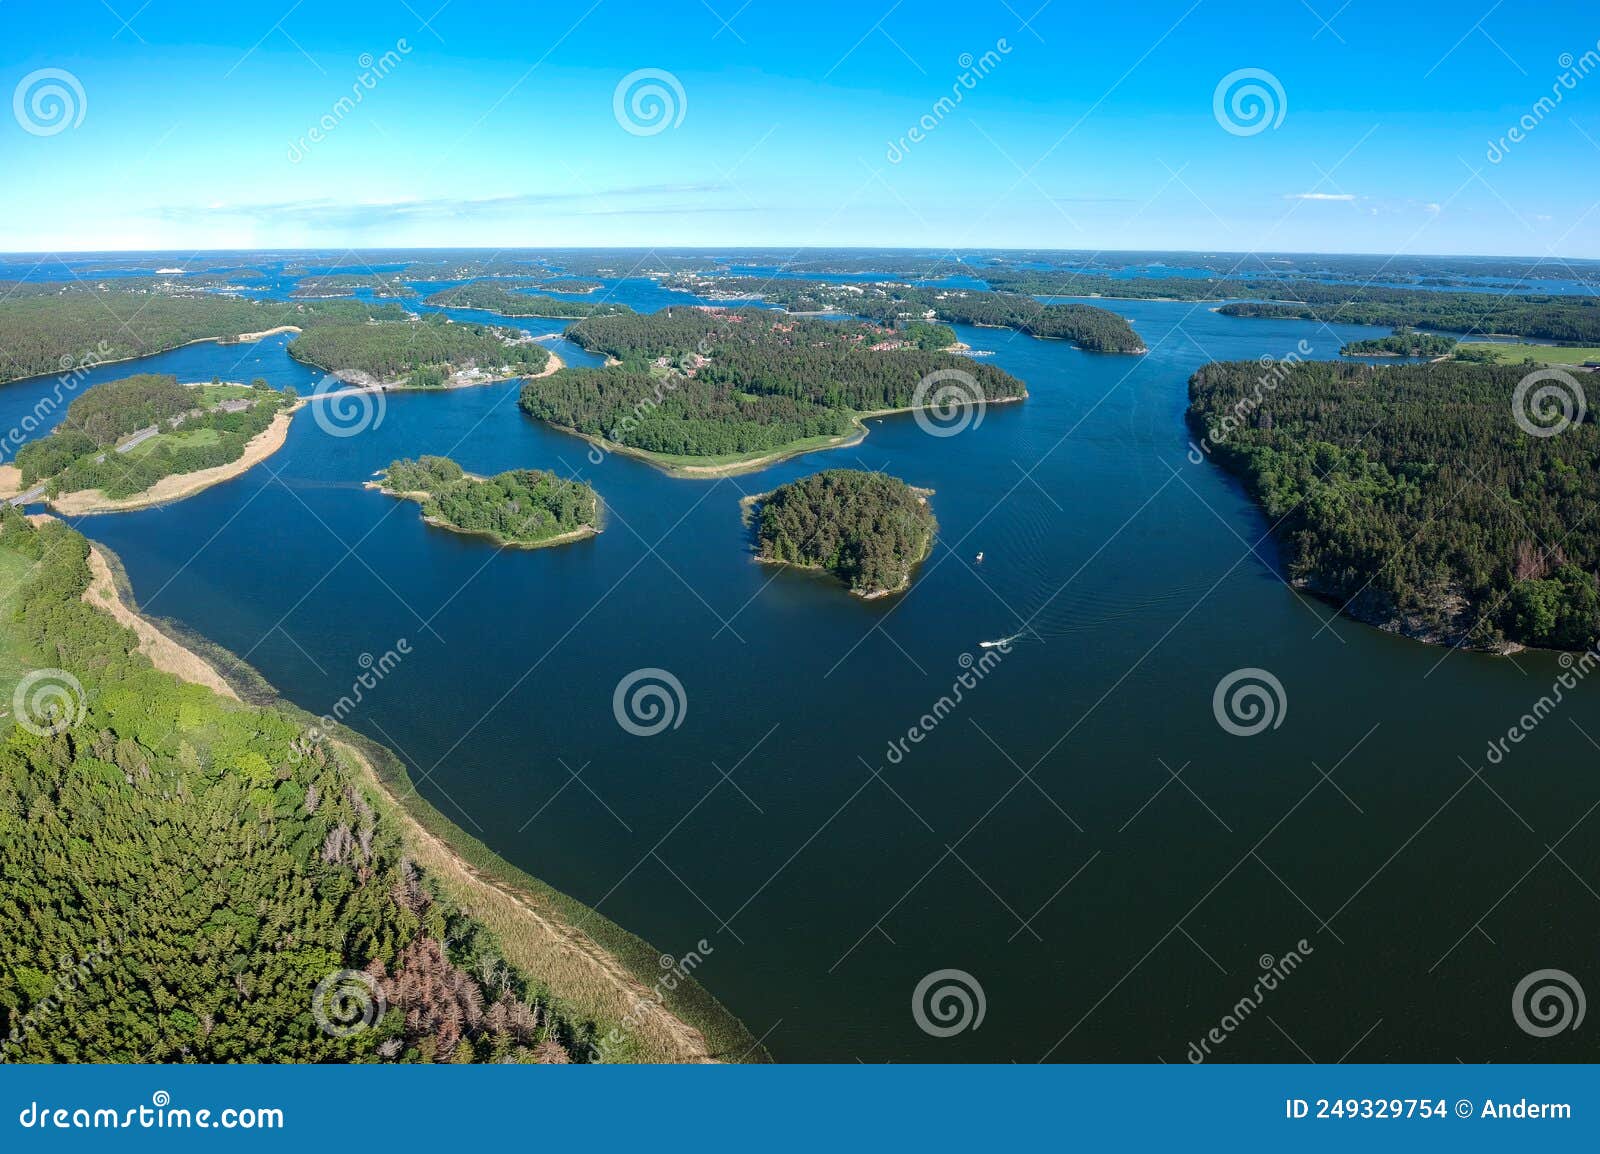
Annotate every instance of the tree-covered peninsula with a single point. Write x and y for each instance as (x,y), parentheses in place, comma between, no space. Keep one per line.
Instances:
(867,529)
(124,438)
(508,302)
(1449,501)
(188,877)
(420,353)
(525,507)
(50,327)
(721,389)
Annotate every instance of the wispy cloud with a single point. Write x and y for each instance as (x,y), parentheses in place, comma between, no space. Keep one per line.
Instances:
(324,212)
(1319,196)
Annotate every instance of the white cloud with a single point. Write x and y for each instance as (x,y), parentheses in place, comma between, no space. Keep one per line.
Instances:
(1319,196)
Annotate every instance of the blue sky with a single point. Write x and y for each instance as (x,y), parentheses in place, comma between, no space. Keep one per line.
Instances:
(1093,126)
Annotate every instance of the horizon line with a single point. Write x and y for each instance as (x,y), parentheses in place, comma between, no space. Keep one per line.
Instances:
(767,248)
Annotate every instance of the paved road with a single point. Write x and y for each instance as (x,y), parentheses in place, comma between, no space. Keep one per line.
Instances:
(37,492)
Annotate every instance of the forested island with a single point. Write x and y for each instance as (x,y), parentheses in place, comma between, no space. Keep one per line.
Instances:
(124,441)
(867,529)
(191,878)
(1401,343)
(722,389)
(525,507)
(1415,498)
(341,284)
(1090,328)
(53,327)
(508,302)
(420,353)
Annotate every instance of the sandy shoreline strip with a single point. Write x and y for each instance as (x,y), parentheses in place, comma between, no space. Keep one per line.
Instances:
(180,485)
(164,653)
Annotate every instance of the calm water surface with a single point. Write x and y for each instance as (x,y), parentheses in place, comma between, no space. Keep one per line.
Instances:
(1081,835)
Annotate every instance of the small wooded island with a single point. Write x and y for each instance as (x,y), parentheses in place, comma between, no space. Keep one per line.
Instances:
(868,530)
(528,508)
(1402,342)
(147,439)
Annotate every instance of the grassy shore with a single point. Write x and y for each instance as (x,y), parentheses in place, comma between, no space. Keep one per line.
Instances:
(177,486)
(1507,353)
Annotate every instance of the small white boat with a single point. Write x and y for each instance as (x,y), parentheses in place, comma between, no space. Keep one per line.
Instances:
(978,560)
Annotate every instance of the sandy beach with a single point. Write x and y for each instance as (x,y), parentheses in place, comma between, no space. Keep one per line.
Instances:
(164,653)
(181,485)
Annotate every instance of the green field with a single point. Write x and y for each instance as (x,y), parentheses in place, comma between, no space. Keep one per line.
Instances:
(1511,354)
(178,439)
(215,394)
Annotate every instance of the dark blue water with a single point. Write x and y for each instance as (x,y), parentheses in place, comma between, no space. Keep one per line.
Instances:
(1037,838)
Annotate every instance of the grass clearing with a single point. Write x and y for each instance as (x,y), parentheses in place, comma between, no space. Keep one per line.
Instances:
(1505,353)
(178,439)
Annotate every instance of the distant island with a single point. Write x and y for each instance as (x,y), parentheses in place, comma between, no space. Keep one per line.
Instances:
(511,303)
(147,439)
(344,283)
(527,508)
(705,392)
(1401,343)
(424,353)
(1416,497)
(867,529)
(1090,328)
